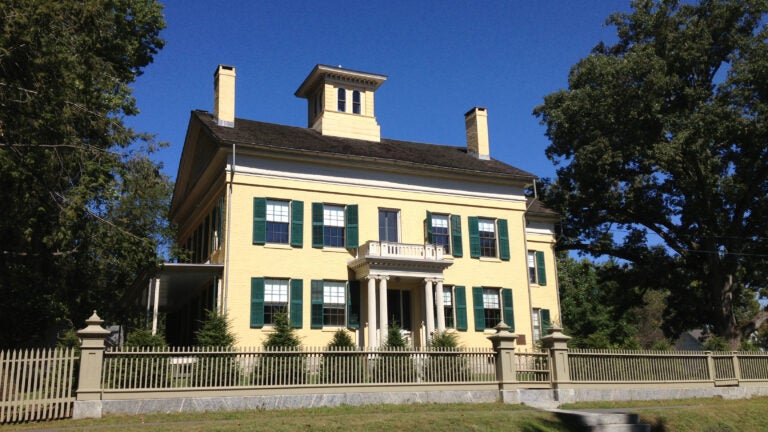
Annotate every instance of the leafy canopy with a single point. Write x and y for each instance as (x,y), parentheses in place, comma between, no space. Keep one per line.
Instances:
(83,203)
(662,145)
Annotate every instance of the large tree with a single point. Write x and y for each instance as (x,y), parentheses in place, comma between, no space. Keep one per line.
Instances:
(81,200)
(662,145)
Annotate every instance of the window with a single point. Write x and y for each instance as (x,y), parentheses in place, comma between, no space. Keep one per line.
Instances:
(318,104)
(487,229)
(270,296)
(492,306)
(334,303)
(448,306)
(342,100)
(537,273)
(540,322)
(277,221)
(440,236)
(334,226)
(275,298)
(356,102)
(388,222)
(445,231)
(484,241)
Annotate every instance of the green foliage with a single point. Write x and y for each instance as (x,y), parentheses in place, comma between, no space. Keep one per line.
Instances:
(395,366)
(215,331)
(145,339)
(283,362)
(445,363)
(661,139)
(83,205)
(716,343)
(345,364)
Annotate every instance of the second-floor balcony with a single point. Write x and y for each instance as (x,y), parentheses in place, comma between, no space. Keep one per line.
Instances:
(402,257)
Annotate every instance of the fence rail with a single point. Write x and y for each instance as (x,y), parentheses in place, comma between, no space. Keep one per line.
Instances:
(36,384)
(177,368)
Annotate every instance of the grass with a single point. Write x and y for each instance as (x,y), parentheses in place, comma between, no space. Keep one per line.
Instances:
(695,415)
(401,418)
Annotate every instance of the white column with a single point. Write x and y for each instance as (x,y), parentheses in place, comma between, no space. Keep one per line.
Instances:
(383,323)
(429,305)
(372,339)
(155,306)
(440,306)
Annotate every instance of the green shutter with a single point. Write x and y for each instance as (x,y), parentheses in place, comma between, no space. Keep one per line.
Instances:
(259,220)
(257,302)
(297,294)
(503,239)
(541,271)
(509,311)
(458,251)
(546,323)
(479,309)
(317,304)
(474,237)
(461,308)
(430,240)
(317,225)
(297,223)
(353,304)
(350,220)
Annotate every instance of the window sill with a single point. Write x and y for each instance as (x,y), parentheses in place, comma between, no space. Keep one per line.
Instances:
(334,249)
(333,329)
(278,246)
(489,259)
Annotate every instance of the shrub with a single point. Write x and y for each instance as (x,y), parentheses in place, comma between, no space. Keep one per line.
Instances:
(345,365)
(446,363)
(215,369)
(396,366)
(282,362)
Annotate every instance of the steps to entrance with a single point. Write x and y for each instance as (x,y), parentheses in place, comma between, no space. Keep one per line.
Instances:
(601,421)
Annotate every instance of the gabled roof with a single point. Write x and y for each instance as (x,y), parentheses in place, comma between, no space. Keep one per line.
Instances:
(537,209)
(261,135)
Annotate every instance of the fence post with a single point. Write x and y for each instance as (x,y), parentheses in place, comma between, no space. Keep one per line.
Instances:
(557,344)
(506,374)
(92,337)
(736,367)
(711,367)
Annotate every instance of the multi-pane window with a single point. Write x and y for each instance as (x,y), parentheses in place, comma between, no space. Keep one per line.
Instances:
(492,307)
(277,221)
(532,266)
(487,230)
(536,323)
(334,303)
(333,226)
(448,306)
(356,102)
(440,232)
(275,298)
(388,221)
(342,100)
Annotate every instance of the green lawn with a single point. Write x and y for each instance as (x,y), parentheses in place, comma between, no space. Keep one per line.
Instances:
(694,415)
(401,418)
(689,415)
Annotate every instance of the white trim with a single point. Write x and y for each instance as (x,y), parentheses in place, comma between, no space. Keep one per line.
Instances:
(366,178)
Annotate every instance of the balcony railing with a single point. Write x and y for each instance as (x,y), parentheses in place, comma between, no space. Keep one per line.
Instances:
(427,252)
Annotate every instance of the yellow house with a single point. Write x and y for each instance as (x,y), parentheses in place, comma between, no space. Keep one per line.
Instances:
(343,229)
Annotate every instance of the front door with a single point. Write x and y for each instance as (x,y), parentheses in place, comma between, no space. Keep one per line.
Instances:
(399,308)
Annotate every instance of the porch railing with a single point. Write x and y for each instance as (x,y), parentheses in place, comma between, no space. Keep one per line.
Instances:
(401,250)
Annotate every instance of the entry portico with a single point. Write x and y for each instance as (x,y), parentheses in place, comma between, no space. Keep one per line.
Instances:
(378,263)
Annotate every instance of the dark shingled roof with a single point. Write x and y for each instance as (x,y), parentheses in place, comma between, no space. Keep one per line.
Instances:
(291,138)
(537,208)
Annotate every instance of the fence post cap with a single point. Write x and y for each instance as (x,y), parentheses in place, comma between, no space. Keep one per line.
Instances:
(503,338)
(93,328)
(556,338)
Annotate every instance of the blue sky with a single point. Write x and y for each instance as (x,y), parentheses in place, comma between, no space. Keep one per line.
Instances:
(442,58)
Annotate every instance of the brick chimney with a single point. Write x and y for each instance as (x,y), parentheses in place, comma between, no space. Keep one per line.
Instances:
(476,121)
(224,96)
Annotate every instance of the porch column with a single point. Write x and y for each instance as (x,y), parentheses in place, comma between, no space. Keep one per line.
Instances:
(383,309)
(429,304)
(440,306)
(155,305)
(372,339)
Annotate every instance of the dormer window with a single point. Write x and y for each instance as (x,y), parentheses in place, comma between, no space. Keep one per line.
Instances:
(342,106)
(356,102)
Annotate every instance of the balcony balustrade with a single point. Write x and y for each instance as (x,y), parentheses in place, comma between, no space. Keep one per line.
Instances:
(426,252)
